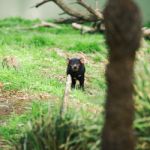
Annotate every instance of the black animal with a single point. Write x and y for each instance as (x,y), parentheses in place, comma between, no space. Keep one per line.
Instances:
(76,69)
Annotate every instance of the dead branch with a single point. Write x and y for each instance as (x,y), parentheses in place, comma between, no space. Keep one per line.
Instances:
(42,24)
(64,105)
(41,3)
(62,13)
(87,29)
(91,16)
(68,20)
(83,28)
(73,12)
(96,13)
(46,24)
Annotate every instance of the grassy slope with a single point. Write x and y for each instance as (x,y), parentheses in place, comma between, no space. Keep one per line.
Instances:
(43,71)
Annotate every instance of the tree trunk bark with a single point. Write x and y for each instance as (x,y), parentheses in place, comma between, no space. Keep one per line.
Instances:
(123,33)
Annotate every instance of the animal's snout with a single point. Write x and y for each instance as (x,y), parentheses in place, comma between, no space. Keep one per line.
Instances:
(75,67)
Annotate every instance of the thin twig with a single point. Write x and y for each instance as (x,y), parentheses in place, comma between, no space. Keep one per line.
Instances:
(41,3)
(70,11)
(97,14)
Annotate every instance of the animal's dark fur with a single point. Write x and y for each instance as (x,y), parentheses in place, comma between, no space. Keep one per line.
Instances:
(76,69)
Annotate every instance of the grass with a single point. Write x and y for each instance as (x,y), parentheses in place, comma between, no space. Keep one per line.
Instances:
(42,70)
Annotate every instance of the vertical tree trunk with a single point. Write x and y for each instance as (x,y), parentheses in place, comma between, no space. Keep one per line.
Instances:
(123,33)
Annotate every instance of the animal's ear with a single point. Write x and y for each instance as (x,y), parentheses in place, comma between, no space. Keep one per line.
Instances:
(68,60)
(82,60)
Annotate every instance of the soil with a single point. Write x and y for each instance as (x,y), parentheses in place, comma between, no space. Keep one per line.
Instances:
(15,102)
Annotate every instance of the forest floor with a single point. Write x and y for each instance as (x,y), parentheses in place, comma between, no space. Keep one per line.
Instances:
(39,81)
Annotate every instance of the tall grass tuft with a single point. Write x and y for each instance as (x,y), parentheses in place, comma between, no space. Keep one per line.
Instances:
(142,106)
(61,133)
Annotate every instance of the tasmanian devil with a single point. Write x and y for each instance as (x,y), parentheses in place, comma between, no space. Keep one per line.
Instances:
(76,69)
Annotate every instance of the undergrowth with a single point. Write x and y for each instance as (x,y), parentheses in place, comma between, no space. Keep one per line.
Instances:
(43,70)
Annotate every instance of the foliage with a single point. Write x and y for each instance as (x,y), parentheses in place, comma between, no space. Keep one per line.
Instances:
(62,133)
(142,96)
(43,70)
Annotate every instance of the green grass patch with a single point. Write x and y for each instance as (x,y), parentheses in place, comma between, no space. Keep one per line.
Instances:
(43,70)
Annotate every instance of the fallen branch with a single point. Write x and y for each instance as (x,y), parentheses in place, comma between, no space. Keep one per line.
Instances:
(68,20)
(64,104)
(83,28)
(101,28)
(47,24)
(91,16)
(42,24)
(86,29)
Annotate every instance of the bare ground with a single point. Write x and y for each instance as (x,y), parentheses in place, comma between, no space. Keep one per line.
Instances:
(16,102)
